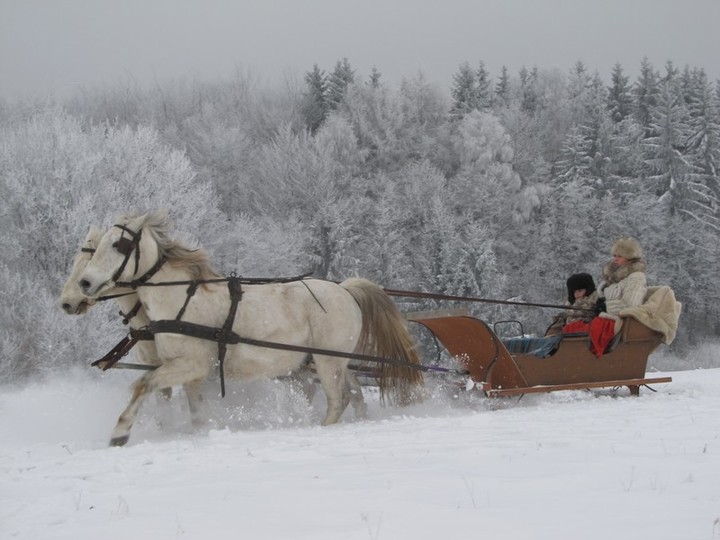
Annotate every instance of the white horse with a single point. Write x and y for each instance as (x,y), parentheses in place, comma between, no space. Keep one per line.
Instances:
(355,316)
(74,302)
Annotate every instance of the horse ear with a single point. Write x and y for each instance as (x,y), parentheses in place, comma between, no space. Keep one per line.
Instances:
(159,216)
(135,224)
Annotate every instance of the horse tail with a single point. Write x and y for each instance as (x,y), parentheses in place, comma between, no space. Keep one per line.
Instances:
(385,334)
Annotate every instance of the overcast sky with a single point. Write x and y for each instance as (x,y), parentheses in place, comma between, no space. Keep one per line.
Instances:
(56,46)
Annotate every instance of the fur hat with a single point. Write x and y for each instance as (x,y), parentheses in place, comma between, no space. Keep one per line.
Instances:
(577,282)
(627,247)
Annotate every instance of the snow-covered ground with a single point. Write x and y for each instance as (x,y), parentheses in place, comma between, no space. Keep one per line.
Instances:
(568,465)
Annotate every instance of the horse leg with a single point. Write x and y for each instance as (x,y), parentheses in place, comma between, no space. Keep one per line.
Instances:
(333,379)
(306,379)
(196,404)
(121,433)
(357,400)
(177,372)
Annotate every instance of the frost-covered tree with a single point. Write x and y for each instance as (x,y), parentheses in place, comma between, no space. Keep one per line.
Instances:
(502,88)
(574,163)
(377,119)
(486,173)
(425,109)
(338,81)
(597,128)
(310,178)
(402,247)
(703,152)
(464,91)
(577,89)
(484,88)
(374,78)
(619,101)
(665,148)
(315,104)
(529,100)
(645,92)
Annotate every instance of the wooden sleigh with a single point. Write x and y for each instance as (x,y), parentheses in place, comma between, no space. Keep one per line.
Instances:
(570,366)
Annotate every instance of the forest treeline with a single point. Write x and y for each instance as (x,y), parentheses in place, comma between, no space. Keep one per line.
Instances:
(487,186)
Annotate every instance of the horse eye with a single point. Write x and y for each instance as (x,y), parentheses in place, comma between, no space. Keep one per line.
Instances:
(123,245)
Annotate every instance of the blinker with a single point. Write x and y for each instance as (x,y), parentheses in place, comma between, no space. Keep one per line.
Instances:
(123,245)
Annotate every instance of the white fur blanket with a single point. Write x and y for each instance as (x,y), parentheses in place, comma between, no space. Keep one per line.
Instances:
(660,312)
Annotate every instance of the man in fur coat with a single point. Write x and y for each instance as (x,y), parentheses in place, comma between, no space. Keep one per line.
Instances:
(624,284)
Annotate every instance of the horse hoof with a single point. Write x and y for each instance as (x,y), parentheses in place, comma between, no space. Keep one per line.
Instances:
(119,441)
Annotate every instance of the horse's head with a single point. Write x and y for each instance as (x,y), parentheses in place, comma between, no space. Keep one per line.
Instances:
(72,299)
(123,254)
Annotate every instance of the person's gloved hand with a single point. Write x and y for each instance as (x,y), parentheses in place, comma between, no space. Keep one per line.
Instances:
(600,306)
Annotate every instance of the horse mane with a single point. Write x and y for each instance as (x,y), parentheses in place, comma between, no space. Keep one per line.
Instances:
(195,261)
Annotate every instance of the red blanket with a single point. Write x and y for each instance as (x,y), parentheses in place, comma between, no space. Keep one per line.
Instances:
(601,332)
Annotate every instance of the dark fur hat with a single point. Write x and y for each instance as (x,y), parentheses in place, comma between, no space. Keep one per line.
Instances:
(577,282)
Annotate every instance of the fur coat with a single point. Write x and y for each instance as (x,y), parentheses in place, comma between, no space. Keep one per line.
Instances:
(572,315)
(623,286)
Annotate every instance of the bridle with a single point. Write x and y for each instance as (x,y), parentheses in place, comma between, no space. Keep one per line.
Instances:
(126,247)
(126,317)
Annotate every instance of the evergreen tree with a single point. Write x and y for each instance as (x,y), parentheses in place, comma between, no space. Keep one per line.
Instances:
(665,148)
(464,91)
(374,79)
(646,92)
(703,149)
(574,163)
(577,89)
(341,77)
(619,98)
(502,88)
(484,88)
(315,106)
(597,130)
(671,73)
(528,90)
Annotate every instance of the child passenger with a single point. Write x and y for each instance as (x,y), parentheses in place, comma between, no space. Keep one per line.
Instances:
(581,300)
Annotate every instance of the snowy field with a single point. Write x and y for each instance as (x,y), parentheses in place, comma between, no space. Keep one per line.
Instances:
(568,465)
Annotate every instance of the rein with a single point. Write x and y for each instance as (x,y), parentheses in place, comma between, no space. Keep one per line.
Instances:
(437,296)
(245,281)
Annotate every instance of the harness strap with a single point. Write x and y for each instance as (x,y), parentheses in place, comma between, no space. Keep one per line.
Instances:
(126,317)
(235,289)
(116,353)
(135,283)
(210,333)
(313,295)
(189,294)
(222,336)
(142,334)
